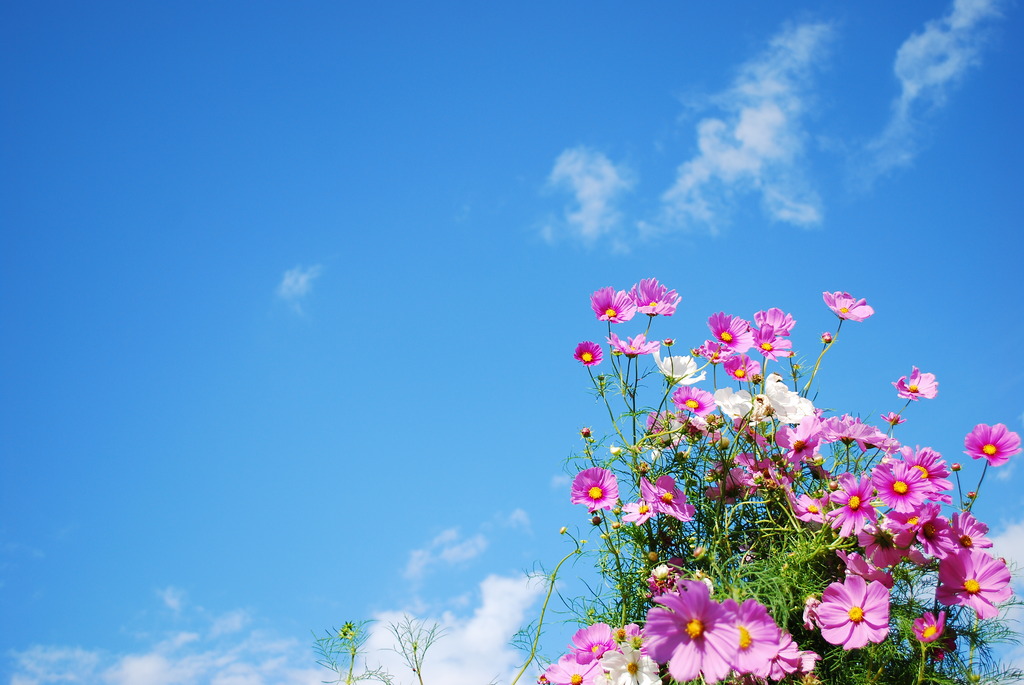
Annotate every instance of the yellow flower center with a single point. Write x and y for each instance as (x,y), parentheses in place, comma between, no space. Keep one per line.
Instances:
(667,497)
(745,640)
(856,614)
(912,521)
(620,633)
(726,336)
(929,631)
(766,346)
(642,509)
(654,303)
(692,404)
(632,667)
(587,357)
(966,541)
(740,373)
(595,649)
(900,488)
(972,586)
(595,493)
(799,445)
(923,470)
(576,679)
(854,503)
(844,310)
(695,628)
(989,449)
(610,312)
(813,508)
(912,388)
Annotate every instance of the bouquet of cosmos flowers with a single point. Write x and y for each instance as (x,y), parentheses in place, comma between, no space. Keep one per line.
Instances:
(747,536)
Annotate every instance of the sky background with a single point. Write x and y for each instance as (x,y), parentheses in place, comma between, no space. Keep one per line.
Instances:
(290,290)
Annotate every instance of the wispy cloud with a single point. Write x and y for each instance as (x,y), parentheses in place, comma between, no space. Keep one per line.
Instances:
(296,284)
(596,184)
(756,143)
(474,648)
(928,65)
(172,597)
(449,547)
(212,655)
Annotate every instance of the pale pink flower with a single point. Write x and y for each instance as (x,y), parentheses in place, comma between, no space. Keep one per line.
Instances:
(846,307)
(611,306)
(994,443)
(917,386)
(854,613)
(974,579)
(634,347)
(652,298)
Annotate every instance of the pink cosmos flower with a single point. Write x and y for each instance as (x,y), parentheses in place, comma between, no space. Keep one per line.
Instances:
(969,532)
(779,320)
(846,307)
(802,440)
(930,528)
(637,512)
(854,613)
(588,353)
(759,637)
(854,508)
(995,443)
(590,643)
(771,345)
(694,400)
(666,498)
(919,385)
(974,579)
(893,418)
(900,485)
(731,331)
(741,367)
(856,565)
(791,659)
(880,545)
(929,628)
(596,487)
(692,633)
(569,671)
(652,298)
(611,306)
(933,468)
(634,347)
(809,509)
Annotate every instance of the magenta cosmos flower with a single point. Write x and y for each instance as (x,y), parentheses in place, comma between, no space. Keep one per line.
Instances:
(741,367)
(596,487)
(974,579)
(732,332)
(633,347)
(611,306)
(652,298)
(694,400)
(853,500)
(995,443)
(665,498)
(759,637)
(590,643)
(588,353)
(846,307)
(569,671)
(854,613)
(917,386)
(900,486)
(691,632)
(929,627)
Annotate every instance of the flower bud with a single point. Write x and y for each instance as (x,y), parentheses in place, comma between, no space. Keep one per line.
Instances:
(615,450)
(955,466)
(698,552)
(616,525)
(972,494)
(642,468)
(668,342)
(563,530)
(585,432)
(596,520)
(723,443)
(826,338)
(652,557)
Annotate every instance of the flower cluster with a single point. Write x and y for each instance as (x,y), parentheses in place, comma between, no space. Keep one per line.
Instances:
(802,544)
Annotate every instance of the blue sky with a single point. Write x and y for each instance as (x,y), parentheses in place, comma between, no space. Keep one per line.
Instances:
(290,291)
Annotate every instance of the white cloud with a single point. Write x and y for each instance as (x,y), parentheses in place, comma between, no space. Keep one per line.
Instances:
(172,598)
(1009,544)
(474,649)
(928,64)
(296,284)
(596,183)
(756,144)
(519,519)
(448,547)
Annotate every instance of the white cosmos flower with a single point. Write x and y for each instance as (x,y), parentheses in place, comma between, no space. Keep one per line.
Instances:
(630,667)
(734,404)
(788,405)
(679,370)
